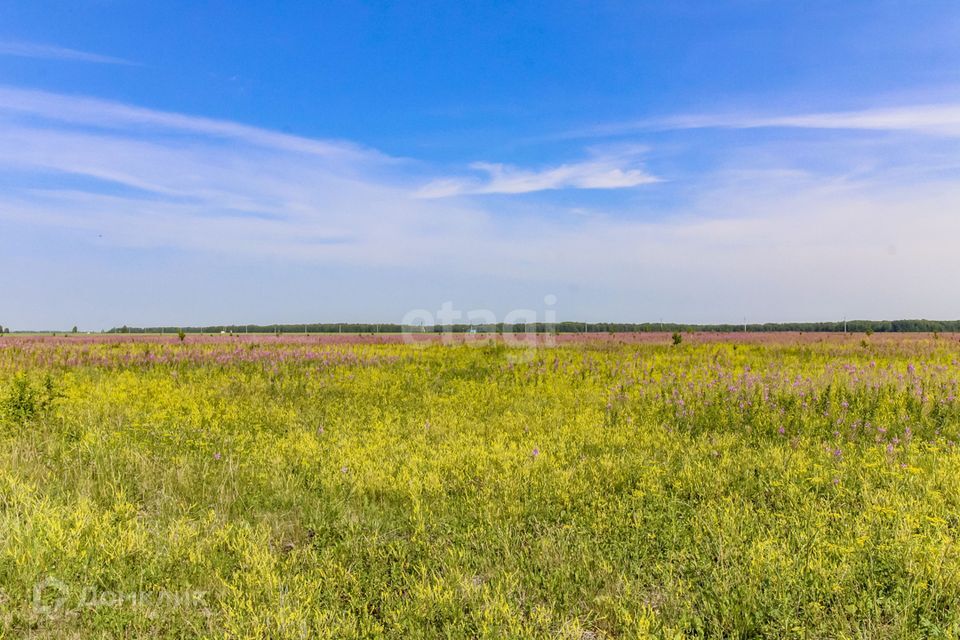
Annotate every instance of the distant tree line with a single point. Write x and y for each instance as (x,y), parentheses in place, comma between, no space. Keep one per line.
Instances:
(852,326)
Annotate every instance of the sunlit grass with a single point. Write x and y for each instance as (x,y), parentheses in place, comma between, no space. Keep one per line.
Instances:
(781,488)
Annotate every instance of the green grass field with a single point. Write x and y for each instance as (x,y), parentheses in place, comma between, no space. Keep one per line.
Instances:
(785,486)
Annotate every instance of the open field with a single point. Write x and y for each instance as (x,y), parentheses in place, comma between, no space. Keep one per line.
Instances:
(735,485)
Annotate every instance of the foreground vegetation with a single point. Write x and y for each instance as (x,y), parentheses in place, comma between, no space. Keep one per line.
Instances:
(268,487)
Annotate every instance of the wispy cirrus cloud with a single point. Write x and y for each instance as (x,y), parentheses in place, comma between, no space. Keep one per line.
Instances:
(52,52)
(764,233)
(104,114)
(942,119)
(603,171)
(148,178)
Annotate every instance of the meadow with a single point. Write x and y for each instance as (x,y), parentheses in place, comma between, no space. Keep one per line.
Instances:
(607,486)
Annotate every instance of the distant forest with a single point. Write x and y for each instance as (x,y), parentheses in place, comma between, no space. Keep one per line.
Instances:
(851,326)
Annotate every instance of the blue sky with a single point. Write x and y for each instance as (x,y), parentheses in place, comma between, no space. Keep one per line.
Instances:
(695,161)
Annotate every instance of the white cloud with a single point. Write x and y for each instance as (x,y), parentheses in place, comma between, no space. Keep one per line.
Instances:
(941,119)
(604,171)
(51,52)
(760,237)
(145,178)
(928,119)
(70,110)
